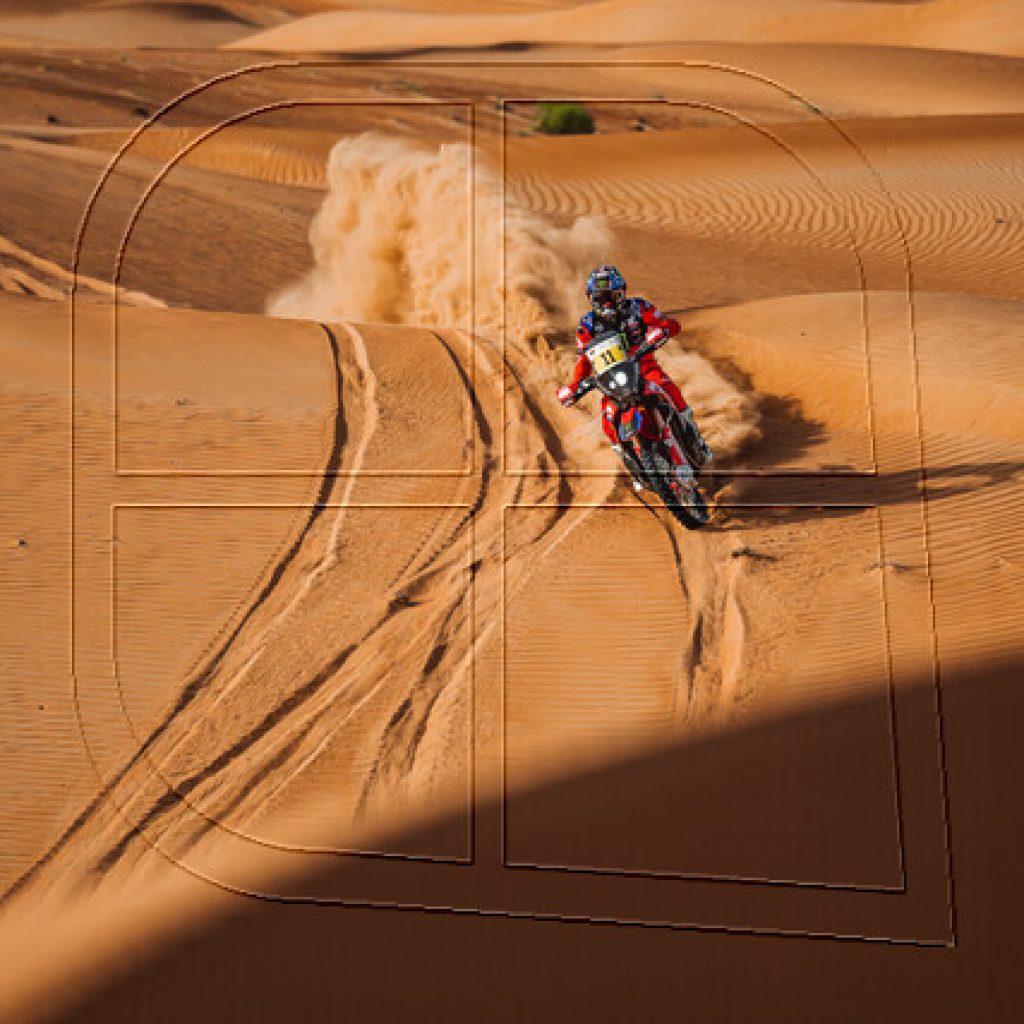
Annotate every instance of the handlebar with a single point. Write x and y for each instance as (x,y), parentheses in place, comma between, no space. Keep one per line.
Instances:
(588,384)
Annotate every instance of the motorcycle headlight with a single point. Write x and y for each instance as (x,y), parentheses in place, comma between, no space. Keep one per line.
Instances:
(621,379)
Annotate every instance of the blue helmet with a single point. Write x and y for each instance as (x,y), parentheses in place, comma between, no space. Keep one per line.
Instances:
(606,288)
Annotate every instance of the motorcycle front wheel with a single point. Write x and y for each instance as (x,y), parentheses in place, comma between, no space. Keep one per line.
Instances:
(686,503)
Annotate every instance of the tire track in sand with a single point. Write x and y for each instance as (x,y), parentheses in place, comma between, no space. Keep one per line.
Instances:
(195,686)
(280,733)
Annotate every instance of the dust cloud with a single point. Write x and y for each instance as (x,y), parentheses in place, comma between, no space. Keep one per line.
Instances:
(391,243)
(727,414)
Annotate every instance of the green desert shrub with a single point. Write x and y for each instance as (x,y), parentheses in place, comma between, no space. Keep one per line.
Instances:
(564,119)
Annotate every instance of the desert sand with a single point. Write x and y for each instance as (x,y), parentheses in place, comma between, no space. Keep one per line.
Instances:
(316,601)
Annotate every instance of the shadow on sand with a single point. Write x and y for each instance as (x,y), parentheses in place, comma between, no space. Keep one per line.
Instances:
(795,793)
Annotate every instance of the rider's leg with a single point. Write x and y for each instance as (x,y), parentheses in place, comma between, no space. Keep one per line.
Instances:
(656,375)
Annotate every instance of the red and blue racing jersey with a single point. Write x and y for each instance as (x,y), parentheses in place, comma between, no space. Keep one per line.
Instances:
(637,316)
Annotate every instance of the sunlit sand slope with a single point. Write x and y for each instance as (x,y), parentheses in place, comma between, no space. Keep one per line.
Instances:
(341,662)
(985,25)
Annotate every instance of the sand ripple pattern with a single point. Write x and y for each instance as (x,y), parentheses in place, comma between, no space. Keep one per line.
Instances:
(961,219)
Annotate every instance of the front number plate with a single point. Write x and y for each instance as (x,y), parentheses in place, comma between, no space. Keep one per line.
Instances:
(605,354)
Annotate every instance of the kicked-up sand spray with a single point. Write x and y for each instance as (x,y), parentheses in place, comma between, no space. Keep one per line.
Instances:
(391,243)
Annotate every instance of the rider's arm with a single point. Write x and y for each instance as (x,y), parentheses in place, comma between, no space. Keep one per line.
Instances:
(583,371)
(653,318)
(567,395)
(583,367)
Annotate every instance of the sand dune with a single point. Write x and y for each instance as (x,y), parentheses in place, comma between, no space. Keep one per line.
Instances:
(315,591)
(243,697)
(187,24)
(978,25)
(770,343)
(177,23)
(762,581)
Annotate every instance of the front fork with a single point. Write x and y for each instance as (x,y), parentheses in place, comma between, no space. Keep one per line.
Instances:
(625,449)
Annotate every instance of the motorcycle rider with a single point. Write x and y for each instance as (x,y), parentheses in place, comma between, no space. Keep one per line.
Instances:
(638,319)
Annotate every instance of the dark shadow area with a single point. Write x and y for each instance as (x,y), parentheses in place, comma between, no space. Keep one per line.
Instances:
(786,433)
(698,809)
(266,960)
(842,496)
(412,52)
(202,12)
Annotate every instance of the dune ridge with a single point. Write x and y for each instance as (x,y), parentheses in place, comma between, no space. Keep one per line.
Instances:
(25,273)
(991,26)
(112,23)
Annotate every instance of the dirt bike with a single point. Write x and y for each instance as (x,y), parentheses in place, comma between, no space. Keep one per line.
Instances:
(661,449)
